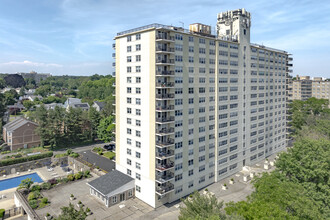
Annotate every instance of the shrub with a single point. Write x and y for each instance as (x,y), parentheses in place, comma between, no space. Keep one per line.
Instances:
(33,204)
(47,214)
(7,162)
(46,186)
(2,213)
(32,196)
(52,181)
(87,173)
(72,195)
(70,177)
(65,180)
(44,200)
(74,155)
(35,188)
(77,176)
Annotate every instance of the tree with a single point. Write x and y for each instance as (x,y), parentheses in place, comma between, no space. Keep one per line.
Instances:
(26,183)
(70,213)
(105,129)
(10,97)
(94,119)
(21,92)
(199,207)
(28,104)
(14,80)
(2,83)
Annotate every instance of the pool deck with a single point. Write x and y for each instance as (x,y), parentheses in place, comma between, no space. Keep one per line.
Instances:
(8,202)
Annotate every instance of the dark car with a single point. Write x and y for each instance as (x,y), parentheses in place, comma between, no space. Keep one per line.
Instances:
(109,147)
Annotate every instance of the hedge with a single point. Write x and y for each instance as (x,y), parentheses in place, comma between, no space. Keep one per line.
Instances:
(25,159)
(2,213)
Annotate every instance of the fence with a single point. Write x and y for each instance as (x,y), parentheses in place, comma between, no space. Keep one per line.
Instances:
(13,212)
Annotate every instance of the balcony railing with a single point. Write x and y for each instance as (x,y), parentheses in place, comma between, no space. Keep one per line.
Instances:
(165,73)
(161,190)
(165,96)
(165,108)
(165,154)
(164,37)
(164,120)
(165,84)
(165,61)
(165,143)
(163,49)
(165,131)
(166,166)
(164,178)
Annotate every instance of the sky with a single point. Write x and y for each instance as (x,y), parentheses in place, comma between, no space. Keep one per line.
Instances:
(74,37)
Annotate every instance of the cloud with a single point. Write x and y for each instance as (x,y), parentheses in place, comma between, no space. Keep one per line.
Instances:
(30,64)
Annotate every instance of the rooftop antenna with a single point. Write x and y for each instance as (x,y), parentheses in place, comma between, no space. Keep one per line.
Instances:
(182,24)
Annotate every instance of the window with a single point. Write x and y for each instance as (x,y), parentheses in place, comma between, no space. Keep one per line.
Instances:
(138,90)
(129,131)
(138,133)
(130,193)
(138,58)
(138,69)
(129,48)
(138,101)
(138,166)
(138,47)
(138,176)
(138,188)
(138,144)
(129,90)
(138,36)
(129,38)
(138,112)
(191,39)
(129,79)
(129,69)
(138,154)
(129,59)
(129,172)
(129,100)
(138,79)
(129,162)
(114,199)
(129,121)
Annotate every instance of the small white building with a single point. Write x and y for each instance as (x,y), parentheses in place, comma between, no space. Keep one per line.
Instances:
(113,187)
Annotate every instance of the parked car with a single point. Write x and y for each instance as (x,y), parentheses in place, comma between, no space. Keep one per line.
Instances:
(109,147)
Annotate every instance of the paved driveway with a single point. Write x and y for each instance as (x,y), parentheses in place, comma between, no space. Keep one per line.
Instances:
(102,162)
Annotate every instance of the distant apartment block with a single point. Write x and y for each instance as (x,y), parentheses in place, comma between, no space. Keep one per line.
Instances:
(194,107)
(36,76)
(304,88)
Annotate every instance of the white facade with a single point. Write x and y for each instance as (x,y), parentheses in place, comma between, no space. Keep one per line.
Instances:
(192,108)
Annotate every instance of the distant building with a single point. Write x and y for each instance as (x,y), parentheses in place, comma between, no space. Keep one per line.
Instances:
(36,76)
(21,133)
(76,103)
(32,98)
(304,88)
(99,106)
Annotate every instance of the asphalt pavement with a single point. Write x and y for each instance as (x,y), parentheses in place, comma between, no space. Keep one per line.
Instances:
(97,160)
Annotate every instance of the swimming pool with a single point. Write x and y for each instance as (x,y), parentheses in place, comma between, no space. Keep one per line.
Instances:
(14,182)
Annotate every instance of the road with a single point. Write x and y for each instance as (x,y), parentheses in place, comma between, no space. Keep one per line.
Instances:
(102,162)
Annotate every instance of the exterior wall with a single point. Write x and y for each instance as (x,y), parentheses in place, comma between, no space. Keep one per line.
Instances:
(25,135)
(109,200)
(147,122)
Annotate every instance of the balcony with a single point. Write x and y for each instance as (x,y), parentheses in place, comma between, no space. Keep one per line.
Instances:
(165,166)
(165,96)
(162,155)
(162,190)
(164,73)
(165,143)
(165,85)
(114,46)
(165,119)
(165,178)
(165,61)
(164,50)
(163,37)
(164,131)
(114,55)
(165,108)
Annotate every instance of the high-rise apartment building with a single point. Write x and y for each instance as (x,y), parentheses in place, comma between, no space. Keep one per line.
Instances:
(193,108)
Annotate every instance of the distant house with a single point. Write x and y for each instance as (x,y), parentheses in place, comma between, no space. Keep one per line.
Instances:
(30,92)
(99,106)
(113,187)
(51,105)
(21,133)
(17,107)
(32,98)
(76,103)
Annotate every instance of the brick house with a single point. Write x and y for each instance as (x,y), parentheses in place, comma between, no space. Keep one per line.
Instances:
(21,133)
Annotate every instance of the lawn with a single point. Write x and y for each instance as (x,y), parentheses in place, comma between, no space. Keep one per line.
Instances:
(109,155)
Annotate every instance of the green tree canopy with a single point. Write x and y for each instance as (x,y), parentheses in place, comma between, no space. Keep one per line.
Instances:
(106,129)
(70,213)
